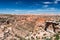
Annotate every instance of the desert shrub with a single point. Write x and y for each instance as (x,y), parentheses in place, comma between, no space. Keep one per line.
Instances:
(57,37)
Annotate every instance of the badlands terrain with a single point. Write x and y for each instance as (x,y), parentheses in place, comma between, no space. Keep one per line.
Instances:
(29,27)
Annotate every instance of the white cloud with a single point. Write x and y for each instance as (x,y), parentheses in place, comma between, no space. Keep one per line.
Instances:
(55,2)
(16,2)
(54,9)
(37,11)
(19,2)
(47,2)
(17,10)
(45,6)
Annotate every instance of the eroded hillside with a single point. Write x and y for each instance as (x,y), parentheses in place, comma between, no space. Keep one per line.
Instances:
(22,25)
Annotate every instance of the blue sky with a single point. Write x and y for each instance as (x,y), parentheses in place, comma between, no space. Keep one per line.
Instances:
(30,6)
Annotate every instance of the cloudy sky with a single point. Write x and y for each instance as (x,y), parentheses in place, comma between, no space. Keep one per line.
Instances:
(30,6)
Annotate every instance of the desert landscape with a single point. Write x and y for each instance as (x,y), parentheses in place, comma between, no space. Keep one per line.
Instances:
(29,27)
